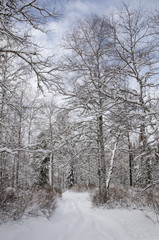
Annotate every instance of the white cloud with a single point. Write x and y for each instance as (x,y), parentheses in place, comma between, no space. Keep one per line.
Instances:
(75,9)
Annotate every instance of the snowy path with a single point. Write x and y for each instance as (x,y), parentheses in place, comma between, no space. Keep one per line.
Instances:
(75,219)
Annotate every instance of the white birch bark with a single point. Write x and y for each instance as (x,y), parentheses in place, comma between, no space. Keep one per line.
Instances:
(111,166)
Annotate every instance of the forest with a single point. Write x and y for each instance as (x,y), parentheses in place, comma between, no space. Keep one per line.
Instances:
(87,118)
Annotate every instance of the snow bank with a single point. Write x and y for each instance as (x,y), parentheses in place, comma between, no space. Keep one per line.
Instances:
(76,219)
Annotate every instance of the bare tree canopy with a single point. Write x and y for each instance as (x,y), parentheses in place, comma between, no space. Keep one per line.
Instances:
(17,18)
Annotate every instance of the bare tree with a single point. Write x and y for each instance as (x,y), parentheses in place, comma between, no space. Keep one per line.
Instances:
(15,16)
(90,81)
(136,49)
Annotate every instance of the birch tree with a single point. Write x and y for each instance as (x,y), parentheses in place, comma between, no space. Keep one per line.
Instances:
(89,69)
(20,57)
(136,49)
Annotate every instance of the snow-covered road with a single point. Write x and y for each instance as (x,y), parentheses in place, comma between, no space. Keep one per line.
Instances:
(75,219)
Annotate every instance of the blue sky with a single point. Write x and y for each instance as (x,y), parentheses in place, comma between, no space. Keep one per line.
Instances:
(73,9)
(84,7)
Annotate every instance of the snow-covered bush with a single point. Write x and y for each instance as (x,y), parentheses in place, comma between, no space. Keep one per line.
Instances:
(27,202)
(125,197)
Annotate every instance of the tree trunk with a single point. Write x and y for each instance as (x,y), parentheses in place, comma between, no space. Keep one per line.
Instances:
(102,160)
(111,166)
(51,174)
(99,171)
(130,160)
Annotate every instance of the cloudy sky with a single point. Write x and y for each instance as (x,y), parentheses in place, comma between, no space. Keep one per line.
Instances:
(74,9)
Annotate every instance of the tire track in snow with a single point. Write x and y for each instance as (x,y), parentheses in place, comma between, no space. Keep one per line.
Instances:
(84,222)
(75,219)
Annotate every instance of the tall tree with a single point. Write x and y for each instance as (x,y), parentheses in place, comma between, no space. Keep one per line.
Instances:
(90,82)
(137,53)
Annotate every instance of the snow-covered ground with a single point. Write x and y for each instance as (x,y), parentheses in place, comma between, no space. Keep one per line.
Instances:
(75,219)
